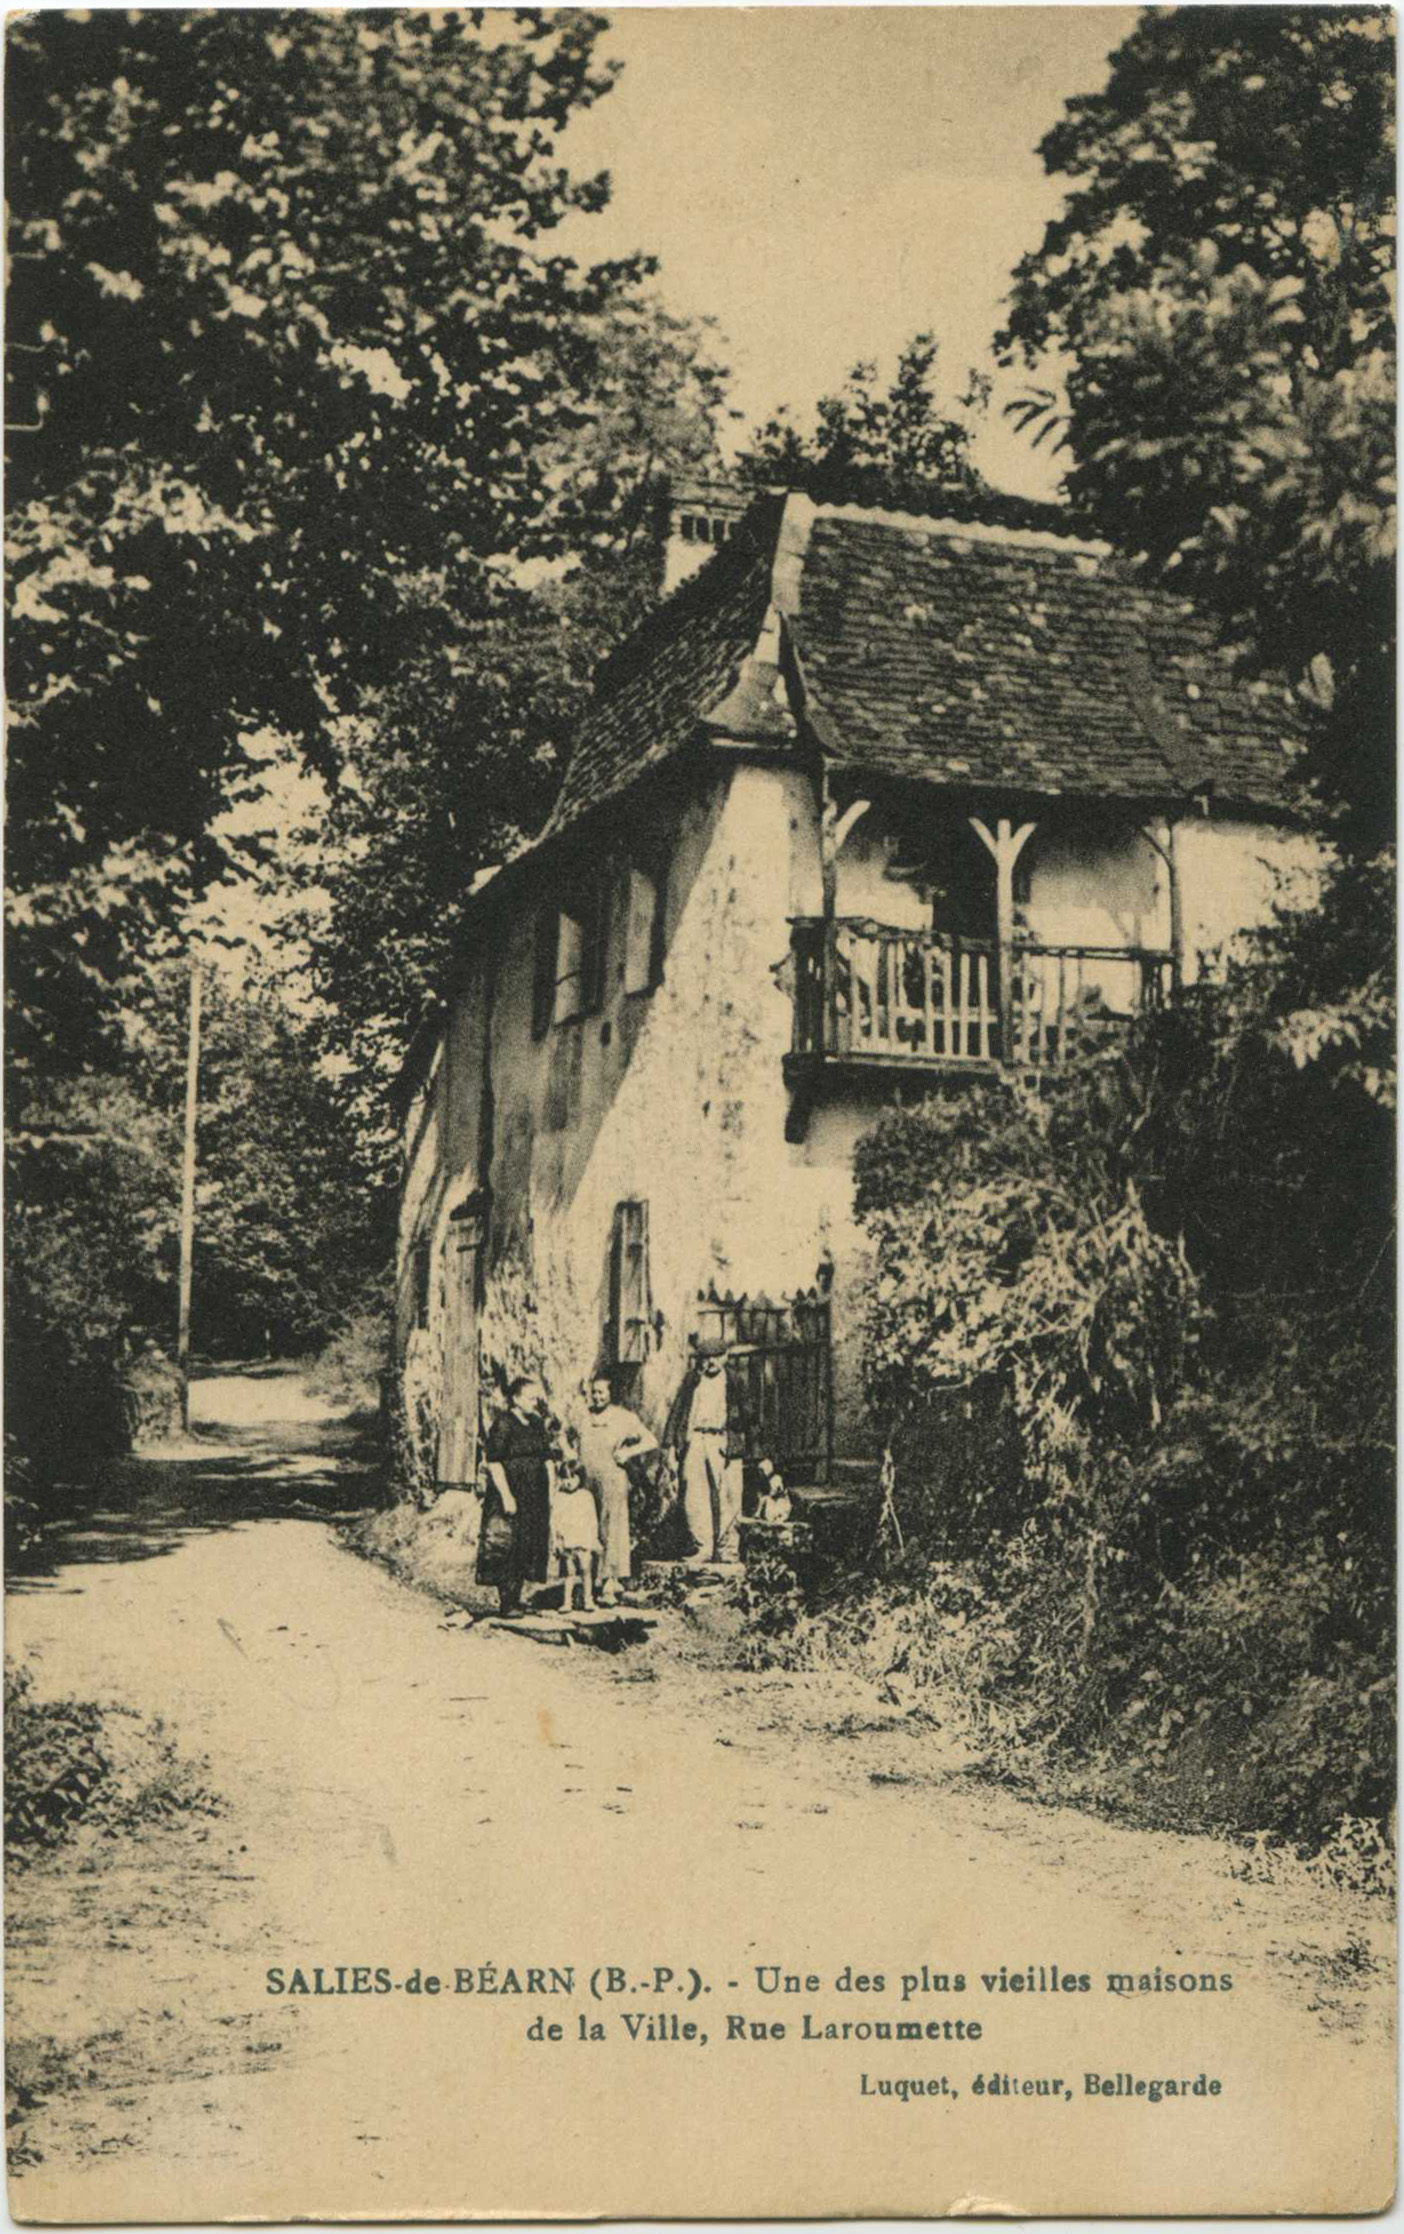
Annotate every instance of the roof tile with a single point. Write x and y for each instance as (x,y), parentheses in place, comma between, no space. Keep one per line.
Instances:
(986,658)
(653,694)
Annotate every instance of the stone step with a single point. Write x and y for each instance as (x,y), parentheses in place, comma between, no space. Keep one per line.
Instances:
(609,1626)
(699,1570)
(848,1489)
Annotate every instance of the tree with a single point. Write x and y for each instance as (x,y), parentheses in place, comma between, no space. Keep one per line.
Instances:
(91,1182)
(1217,293)
(1168,1271)
(902,446)
(291,1231)
(295,380)
(457,760)
(301,402)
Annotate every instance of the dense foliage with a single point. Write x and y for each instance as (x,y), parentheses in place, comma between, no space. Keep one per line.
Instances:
(91,1208)
(71,1764)
(459,760)
(292,370)
(307,421)
(1217,294)
(291,1235)
(1177,1264)
(904,445)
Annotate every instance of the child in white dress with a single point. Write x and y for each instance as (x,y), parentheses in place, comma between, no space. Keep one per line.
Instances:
(575,1531)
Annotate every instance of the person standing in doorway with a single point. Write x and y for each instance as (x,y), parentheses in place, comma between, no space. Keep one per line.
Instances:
(610,1436)
(514,1545)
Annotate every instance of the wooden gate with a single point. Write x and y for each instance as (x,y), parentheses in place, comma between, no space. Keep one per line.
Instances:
(780,1377)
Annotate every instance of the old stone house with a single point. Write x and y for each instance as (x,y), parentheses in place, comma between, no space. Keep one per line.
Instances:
(869,801)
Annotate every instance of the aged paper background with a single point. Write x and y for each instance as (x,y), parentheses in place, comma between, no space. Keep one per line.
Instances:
(660,1842)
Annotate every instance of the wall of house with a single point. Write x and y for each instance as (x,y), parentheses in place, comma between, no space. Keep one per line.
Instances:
(442,1144)
(1233,874)
(1105,885)
(420,1187)
(677,1096)
(441,1167)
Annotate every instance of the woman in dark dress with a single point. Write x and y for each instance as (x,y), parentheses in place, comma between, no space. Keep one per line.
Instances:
(514,1545)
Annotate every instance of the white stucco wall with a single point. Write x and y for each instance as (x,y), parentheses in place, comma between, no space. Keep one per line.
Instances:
(1102,889)
(1233,874)
(678,1096)
(1104,885)
(865,885)
(419,1185)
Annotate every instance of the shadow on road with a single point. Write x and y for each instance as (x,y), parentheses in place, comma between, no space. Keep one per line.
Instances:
(235,1468)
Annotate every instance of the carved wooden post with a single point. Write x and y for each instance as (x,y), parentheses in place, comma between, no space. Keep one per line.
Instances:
(1177,916)
(828,888)
(834,827)
(1169,854)
(1005,844)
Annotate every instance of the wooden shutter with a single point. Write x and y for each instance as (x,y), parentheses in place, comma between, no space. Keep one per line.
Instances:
(659,873)
(423,1265)
(641,932)
(630,1288)
(595,916)
(457,1461)
(571,943)
(543,986)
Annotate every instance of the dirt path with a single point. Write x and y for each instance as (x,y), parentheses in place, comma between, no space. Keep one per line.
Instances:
(404,1795)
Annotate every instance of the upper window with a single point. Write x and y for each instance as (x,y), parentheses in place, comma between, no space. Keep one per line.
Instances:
(700,527)
(570,953)
(643,929)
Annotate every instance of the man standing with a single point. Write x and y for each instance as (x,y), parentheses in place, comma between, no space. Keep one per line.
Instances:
(711,1483)
(610,1437)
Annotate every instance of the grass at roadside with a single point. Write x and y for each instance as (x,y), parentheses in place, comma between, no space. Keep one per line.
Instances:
(935,1645)
(433,1550)
(70,1763)
(78,1773)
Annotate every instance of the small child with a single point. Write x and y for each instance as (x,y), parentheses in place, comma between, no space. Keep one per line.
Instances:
(575,1532)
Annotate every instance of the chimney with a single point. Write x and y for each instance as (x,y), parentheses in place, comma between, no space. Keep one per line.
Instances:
(701,516)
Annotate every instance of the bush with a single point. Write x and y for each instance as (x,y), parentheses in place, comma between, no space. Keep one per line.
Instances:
(90,1199)
(352,1365)
(1014,1252)
(69,1762)
(1165,1279)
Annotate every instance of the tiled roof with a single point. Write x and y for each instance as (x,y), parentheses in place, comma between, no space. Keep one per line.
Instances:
(979,657)
(1023,662)
(652,695)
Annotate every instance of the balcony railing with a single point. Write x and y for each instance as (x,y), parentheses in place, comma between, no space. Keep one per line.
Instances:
(867,992)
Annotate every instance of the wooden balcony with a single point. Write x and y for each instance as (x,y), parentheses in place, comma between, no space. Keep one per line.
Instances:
(869,994)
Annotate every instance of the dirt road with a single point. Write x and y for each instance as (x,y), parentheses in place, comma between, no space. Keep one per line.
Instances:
(414,1799)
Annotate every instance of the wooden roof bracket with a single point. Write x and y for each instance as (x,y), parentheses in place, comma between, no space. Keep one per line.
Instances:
(1169,854)
(1005,844)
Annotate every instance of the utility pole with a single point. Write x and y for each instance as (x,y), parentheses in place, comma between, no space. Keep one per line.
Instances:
(187,1197)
